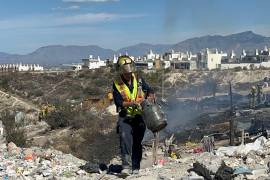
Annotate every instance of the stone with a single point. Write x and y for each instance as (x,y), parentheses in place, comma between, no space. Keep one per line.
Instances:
(46,173)
(81,172)
(13,149)
(26,173)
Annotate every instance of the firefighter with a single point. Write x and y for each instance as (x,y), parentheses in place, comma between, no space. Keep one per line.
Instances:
(128,92)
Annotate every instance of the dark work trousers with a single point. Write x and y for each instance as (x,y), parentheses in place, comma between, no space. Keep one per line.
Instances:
(131,132)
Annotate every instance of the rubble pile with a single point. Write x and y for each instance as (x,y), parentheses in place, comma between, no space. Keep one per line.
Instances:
(37,163)
(250,161)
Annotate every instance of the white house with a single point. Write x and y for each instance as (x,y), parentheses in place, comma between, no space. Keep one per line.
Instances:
(21,67)
(151,56)
(114,59)
(92,63)
(256,59)
(166,64)
(144,64)
(179,56)
(210,59)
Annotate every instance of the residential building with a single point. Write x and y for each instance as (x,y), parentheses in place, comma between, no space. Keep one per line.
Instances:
(250,59)
(179,56)
(92,63)
(74,66)
(151,56)
(144,64)
(20,67)
(186,65)
(210,59)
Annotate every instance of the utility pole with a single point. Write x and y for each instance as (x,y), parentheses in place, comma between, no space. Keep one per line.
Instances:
(162,84)
(231,117)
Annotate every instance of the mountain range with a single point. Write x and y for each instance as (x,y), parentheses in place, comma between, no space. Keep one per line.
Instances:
(58,54)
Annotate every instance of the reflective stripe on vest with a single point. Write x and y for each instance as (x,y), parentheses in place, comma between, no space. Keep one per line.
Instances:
(130,96)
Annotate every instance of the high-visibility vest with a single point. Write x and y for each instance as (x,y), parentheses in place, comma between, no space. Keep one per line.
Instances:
(137,95)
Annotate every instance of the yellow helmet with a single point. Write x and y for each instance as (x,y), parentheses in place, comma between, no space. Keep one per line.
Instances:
(125,64)
(253,87)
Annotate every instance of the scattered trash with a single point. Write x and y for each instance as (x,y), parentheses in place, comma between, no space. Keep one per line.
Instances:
(198,150)
(161,162)
(242,149)
(191,145)
(115,169)
(224,172)
(30,163)
(242,170)
(94,167)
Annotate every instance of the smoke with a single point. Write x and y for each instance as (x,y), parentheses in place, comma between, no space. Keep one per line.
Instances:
(172,14)
(186,106)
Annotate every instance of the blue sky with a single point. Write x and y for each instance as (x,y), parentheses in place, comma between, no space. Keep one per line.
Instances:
(26,25)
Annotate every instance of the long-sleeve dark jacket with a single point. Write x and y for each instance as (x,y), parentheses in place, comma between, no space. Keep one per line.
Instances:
(118,100)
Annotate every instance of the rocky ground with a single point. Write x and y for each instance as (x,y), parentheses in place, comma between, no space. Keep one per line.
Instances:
(249,161)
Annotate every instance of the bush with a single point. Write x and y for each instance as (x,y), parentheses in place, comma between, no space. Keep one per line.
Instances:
(93,91)
(237,69)
(36,93)
(4,82)
(59,118)
(65,116)
(251,66)
(14,131)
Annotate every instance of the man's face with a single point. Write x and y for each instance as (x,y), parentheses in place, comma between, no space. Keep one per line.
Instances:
(127,76)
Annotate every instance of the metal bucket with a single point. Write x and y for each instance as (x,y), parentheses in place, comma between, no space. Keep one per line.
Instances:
(153,116)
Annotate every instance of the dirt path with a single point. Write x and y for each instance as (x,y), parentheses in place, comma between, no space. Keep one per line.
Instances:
(54,86)
(12,100)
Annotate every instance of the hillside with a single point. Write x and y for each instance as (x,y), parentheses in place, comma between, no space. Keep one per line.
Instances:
(237,42)
(58,54)
(80,124)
